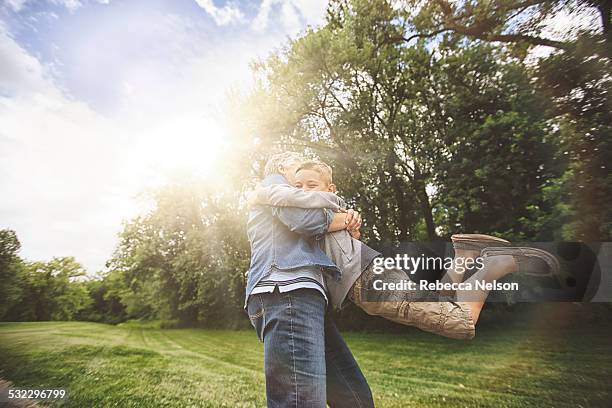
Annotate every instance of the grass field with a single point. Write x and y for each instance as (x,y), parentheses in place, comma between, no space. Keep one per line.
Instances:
(135,366)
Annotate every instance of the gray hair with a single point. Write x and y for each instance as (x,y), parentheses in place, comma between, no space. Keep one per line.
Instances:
(285,159)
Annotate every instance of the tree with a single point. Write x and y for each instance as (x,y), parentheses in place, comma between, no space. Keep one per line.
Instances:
(422,137)
(186,259)
(520,22)
(575,76)
(10,271)
(105,292)
(53,290)
(501,151)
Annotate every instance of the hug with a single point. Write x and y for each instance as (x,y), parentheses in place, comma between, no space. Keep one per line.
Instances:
(306,258)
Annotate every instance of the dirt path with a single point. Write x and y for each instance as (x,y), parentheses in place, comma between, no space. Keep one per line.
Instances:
(17,403)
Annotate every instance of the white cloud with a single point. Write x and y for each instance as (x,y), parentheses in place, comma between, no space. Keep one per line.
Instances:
(291,13)
(260,23)
(72,5)
(290,18)
(222,15)
(313,11)
(62,167)
(69,4)
(20,71)
(15,5)
(69,175)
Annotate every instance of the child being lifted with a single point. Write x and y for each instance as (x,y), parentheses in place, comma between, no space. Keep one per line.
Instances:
(451,314)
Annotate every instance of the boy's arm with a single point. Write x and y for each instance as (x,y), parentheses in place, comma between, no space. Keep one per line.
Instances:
(284,195)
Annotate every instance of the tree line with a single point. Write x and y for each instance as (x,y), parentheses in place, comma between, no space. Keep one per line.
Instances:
(435,119)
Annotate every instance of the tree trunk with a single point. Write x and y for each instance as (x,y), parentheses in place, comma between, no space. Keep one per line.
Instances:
(403,223)
(421,192)
(403,216)
(605,10)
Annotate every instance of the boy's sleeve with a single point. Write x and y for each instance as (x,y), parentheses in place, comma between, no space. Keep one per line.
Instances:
(311,222)
(284,195)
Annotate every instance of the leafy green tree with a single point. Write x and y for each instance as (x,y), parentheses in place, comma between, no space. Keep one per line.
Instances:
(58,288)
(186,259)
(520,22)
(53,290)
(427,139)
(501,151)
(11,267)
(575,76)
(106,306)
(68,290)
(581,88)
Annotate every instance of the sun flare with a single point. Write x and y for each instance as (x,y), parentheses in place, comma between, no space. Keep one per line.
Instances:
(193,144)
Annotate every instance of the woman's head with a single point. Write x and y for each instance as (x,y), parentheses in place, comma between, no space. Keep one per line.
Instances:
(285,163)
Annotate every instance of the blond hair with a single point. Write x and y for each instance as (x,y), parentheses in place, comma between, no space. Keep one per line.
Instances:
(284,160)
(324,170)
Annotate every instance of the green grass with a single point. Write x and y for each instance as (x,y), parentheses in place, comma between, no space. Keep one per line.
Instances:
(134,366)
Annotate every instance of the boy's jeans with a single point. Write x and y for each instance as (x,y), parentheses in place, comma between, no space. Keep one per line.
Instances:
(306,362)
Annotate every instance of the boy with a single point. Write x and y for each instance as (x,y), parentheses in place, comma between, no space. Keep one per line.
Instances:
(430,311)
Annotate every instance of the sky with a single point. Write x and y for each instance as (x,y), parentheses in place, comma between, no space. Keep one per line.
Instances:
(102,100)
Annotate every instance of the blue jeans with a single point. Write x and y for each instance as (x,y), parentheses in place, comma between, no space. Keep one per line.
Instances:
(306,361)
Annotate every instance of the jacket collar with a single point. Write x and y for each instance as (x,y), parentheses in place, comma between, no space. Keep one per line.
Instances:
(274,179)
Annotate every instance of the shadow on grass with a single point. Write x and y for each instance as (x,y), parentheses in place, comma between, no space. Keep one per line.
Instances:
(91,374)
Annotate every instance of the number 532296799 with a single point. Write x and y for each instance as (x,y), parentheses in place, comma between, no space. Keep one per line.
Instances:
(34,393)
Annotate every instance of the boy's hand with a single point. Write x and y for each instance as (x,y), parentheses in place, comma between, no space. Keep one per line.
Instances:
(350,220)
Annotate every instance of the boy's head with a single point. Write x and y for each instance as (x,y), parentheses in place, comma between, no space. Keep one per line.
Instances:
(314,175)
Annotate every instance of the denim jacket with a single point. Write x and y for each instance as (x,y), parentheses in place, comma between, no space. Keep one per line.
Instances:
(286,238)
(350,255)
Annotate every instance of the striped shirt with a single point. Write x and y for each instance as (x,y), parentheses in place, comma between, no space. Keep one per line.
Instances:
(286,281)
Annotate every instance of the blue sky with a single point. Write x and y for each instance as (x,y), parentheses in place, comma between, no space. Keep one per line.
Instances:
(89,46)
(102,99)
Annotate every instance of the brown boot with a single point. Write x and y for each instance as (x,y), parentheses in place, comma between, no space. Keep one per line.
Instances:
(477,242)
(530,261)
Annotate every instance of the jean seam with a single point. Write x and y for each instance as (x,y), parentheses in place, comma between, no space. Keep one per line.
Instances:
(256,315)
(347,383)
(263,317)
(293,351)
